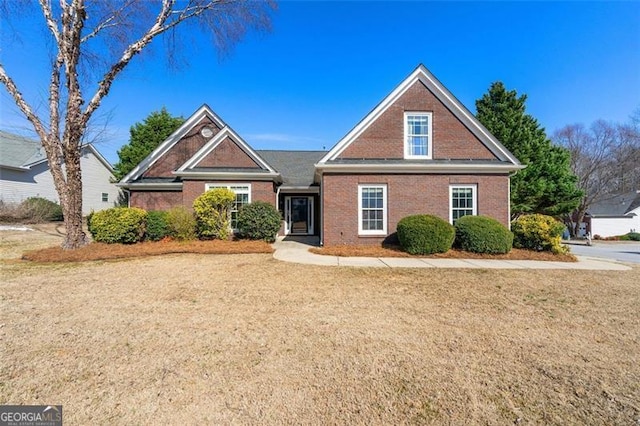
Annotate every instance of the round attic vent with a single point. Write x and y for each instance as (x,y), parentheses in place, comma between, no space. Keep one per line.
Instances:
(206,132)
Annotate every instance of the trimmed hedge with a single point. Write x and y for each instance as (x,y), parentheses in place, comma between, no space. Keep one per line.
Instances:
(425,234)
(212,211)
(124,225)
(157,225)
(538,232)
(259,221)
(630,236)
(482,234)
(40,209)
(182,224)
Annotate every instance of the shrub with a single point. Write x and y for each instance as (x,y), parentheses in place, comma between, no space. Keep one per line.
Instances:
(425,234)
(212,211)
(157,225)
(182,224)
(482,234)
(630,236)
(259,221)
(538,232)
(125,225)
(38,209)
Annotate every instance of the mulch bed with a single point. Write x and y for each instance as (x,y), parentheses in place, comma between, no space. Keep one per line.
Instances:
(395,251)
(101,251)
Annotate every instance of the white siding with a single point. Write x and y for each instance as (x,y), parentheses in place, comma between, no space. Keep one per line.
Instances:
(16,186)
(608,227)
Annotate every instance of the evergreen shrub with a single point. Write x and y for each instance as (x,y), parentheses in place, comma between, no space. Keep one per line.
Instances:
(425,234)
(538,232)
(124,225)
(181,223)
(157,225)
(482,234)
(259,221)
(212,211)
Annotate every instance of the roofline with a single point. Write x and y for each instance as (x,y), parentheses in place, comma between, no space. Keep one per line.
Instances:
(418,168)
(169,186)
(215,141)
(271,176)
(168,143)
(16,168)
(99,156)
(422,74)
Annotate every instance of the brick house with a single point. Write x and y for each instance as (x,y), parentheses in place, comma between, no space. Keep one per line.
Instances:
(418,151)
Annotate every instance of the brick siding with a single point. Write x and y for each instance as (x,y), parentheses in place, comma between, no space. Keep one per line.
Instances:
(227,154)
(384,138)
(406,195)
(260,190)
(155,200)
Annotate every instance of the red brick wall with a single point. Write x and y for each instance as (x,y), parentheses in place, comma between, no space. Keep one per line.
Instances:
(384,138)
(227,154)
(406,195)
(155,200)
(181,151)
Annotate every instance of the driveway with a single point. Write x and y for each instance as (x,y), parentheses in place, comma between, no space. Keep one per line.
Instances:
(623,251)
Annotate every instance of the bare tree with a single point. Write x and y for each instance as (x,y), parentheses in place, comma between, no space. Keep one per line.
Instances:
(87,36)
(605,158)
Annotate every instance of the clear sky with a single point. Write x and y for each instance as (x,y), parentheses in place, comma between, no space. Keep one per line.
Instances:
(325,65)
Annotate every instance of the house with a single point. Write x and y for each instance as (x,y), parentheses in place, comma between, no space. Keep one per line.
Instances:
(614,215)
(418,151)
(24,173)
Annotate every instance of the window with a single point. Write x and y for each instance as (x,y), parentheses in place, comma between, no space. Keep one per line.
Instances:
(463,201)
(243,197)
(417,135)
(105,197)
(372,209)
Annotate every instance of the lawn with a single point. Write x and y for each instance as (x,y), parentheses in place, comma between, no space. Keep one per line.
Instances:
(220,339)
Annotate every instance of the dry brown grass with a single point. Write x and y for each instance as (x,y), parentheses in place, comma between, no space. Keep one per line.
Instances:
(394,251)
(245,339)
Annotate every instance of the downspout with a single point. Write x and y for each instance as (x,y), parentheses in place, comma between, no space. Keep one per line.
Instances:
(515,172)
(284,229)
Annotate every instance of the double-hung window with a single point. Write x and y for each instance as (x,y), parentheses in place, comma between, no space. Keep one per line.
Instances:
(243,197)
(417,135)
(464,201)
(372,209)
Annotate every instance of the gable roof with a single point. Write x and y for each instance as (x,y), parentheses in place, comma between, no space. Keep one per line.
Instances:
(174,138)
(423,75)
(616,205)
(21,153)
(296,167)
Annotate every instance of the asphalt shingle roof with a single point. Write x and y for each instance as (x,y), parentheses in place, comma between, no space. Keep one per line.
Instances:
(296,167)
(616,205)
(18,151)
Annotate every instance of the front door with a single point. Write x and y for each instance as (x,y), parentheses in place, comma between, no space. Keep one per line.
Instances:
(299,215)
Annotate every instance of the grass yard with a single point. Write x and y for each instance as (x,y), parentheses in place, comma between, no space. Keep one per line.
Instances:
(245,339)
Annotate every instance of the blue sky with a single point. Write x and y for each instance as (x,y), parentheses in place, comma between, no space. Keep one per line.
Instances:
(325,65)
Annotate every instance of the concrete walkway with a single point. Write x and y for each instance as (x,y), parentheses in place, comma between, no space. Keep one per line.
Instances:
(296,250)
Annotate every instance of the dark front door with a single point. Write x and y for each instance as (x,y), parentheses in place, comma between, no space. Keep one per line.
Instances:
(299,215)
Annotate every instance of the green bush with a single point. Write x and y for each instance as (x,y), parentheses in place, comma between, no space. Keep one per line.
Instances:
(425,234)
(482,234)
(157,225)
(538,232)
(38,209)
(182,224)
(259,221)
(212,210)
(125,225)
(630,236)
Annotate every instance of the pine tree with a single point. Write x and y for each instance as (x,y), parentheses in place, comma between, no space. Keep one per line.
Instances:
(547,184)
(144,138)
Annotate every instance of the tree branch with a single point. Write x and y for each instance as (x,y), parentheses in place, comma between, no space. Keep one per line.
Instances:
(51,23)
(22,104)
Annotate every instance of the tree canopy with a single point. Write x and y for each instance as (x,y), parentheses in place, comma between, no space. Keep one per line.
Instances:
(547,185)
(144,138)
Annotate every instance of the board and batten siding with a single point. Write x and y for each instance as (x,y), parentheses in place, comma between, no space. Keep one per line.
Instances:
(16,186)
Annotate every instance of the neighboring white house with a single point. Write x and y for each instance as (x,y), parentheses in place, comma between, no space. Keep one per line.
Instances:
(24,173)
(614,215)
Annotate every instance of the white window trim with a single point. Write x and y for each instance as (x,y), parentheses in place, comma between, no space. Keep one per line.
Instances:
(209,186)
(407,151)
(384,210)
(474,192)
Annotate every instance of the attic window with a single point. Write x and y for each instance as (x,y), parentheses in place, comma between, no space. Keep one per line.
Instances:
(417,135)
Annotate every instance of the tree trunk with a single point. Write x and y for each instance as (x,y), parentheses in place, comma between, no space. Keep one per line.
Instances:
(579,218)
(72,206)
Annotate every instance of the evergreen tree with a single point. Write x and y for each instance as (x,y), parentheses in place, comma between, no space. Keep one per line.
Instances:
(547,185)
(144,138)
